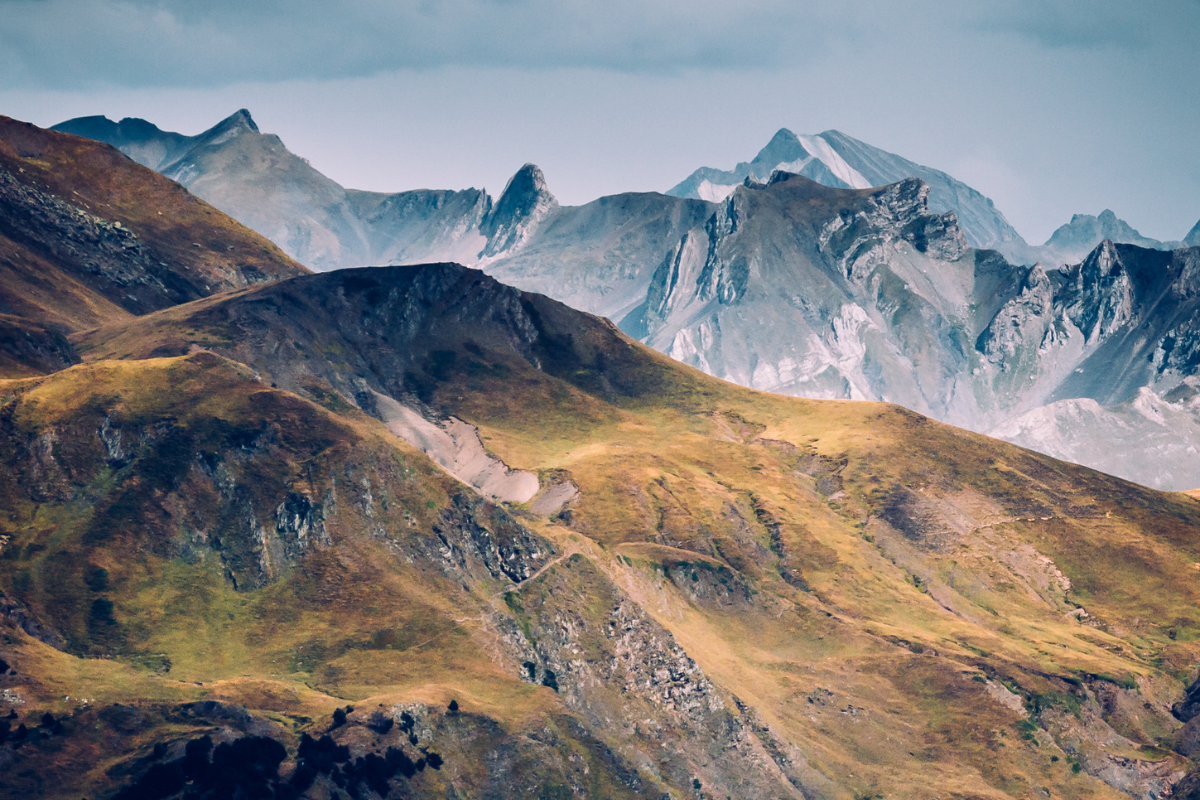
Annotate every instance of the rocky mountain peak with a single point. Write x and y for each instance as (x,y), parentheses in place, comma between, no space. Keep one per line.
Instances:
(240,119)
(859,239)
(523,187)
(1084,232)
(1193,237)
(836,160)
(234,125)
(777,176)
(784,147)
(524,203)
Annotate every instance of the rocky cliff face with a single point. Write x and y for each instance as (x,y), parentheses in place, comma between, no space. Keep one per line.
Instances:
(853,276)
(1193,237)
(525,203)
(102,253)
(600,256)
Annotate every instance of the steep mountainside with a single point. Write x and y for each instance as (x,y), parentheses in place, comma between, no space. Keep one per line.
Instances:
(837,160)
(600,257)
(883,300)
(825,265)
(711,592)
(956,333)
(88,237)
(610,245)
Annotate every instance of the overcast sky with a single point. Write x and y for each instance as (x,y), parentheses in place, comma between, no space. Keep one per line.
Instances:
(1048,107)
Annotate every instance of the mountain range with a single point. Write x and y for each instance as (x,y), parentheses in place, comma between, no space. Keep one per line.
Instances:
(407,531)
(834,159)
(258,181)
(796,272)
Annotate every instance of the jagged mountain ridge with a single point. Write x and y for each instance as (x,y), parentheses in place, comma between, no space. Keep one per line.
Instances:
(256,179)
(834,159)
(253,177)
(712,609)
(1072,242)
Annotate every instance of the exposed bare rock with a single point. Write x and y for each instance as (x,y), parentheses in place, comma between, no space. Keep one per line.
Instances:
(20,616)
(1107,755)
(455,446)
(554,498)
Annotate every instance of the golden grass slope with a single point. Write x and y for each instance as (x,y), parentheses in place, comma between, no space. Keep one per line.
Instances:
(887,605)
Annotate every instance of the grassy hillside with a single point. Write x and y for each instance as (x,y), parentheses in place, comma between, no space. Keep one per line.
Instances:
(750,596)
(194,543)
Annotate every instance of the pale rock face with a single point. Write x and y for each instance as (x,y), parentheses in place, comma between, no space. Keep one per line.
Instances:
(455,446)
(791,255)
(881,299)
(714,192)
(1072,242)
(254,178)
(1193,237)
(1148,439)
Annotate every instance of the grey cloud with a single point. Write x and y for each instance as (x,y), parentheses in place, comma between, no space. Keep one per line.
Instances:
(66,43)
(1091,23)
(80,43)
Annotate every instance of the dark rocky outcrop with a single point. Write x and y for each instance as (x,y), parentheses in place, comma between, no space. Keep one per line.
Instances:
(104,254)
